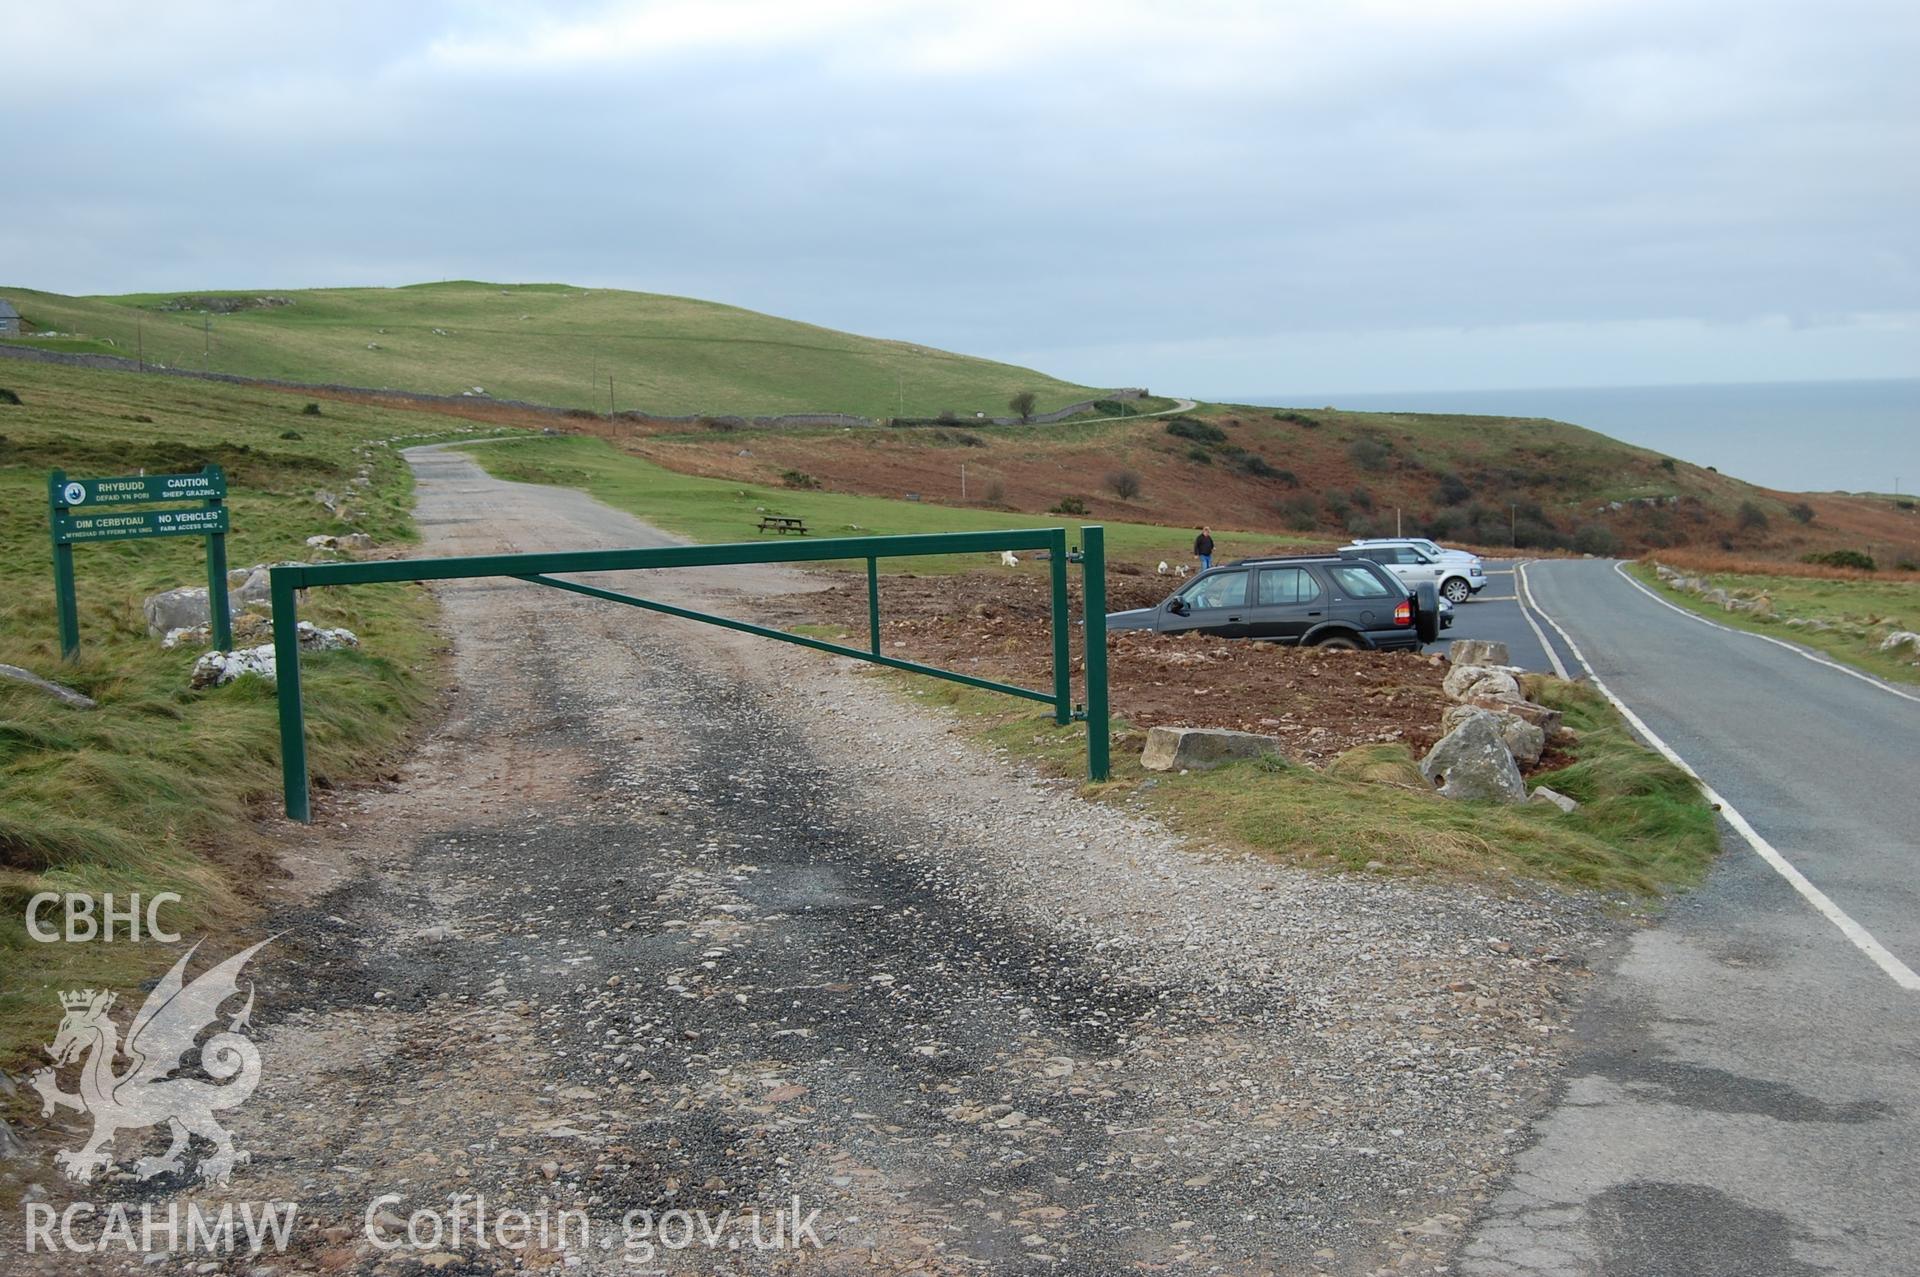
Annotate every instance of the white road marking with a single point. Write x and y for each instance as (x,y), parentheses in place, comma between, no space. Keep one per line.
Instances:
(1523,596)
(1795,648)
(1861,938)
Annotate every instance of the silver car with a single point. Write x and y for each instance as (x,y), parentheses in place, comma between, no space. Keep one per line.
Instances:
(1455,573)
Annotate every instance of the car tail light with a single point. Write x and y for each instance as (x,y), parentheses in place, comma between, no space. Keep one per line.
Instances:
(1403,615)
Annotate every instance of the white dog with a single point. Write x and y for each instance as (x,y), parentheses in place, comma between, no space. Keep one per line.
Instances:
(1007,559)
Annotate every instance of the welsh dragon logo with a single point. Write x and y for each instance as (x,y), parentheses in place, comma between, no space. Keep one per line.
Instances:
(145,1093)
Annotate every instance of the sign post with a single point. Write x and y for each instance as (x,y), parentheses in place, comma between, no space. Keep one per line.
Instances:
(72,517)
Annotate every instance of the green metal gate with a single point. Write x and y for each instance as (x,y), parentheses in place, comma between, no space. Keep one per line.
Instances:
(539,569)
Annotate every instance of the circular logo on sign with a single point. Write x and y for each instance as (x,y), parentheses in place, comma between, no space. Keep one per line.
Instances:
(75,493)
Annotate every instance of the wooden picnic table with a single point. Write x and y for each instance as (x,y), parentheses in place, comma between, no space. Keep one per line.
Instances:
(782,523)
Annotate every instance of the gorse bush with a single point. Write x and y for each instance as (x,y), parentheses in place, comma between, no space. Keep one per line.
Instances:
(1070,505)
(1198,431)
(1301,511)
(1369,454)
(1842,559)
(1595,538)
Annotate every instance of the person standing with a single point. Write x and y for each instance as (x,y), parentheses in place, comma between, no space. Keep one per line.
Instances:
(1203,548)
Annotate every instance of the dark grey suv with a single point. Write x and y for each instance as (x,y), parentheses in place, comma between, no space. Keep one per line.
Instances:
(1320,600)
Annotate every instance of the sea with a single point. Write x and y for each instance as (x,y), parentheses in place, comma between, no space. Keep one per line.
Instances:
(1797,436)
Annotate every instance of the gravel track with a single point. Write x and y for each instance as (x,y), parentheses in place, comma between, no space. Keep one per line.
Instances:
(667,917)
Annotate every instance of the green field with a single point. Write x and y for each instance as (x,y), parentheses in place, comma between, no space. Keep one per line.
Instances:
(710,510)
(152,790)
(546,343)
(1859,614)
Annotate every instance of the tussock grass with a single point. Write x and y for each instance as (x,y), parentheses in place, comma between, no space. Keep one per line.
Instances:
(156,789)
(1643,827)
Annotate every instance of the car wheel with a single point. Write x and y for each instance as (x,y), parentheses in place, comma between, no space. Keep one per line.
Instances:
(1457,590)
(1337,643)
(1426,612)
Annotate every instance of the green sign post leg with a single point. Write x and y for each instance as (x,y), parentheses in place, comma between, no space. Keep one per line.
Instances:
(65,602)
(286,673)
(1093,587)
(219,612)
(68,605)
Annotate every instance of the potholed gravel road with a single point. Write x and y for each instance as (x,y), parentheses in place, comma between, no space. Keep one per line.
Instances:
(1746,1098)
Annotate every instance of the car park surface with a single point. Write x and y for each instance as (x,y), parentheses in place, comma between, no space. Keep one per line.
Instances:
(1499,613)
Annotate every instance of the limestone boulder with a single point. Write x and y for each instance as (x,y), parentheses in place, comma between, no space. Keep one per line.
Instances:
(1547,720)
(1554,798)
(1472,762)
(1199,748)
(1478,652)
(1525,741)
(1489,681)
(216,669)
(182,609)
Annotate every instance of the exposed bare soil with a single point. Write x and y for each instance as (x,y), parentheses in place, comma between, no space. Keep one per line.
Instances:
(995,626)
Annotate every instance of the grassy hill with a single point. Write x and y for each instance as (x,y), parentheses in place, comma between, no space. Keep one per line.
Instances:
(545,343)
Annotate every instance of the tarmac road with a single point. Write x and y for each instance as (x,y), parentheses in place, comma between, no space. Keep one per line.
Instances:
(1746,1098)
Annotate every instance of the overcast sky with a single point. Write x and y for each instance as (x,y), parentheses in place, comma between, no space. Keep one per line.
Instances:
(1204,197)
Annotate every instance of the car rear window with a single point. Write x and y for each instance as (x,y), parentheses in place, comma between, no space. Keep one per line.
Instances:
(1361,583)
(1282,586)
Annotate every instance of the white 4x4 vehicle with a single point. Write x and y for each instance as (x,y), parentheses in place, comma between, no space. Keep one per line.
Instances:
(1455,573)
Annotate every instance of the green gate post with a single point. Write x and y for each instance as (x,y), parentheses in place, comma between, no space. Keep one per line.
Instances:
(65,603)
(219,613)
(286,674)
(1062,630)
(1093,589)
(873,604)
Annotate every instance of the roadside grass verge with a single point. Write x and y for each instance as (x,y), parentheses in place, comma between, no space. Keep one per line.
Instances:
(1643,827)
(1858,610)
(154,790)
(714,510)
